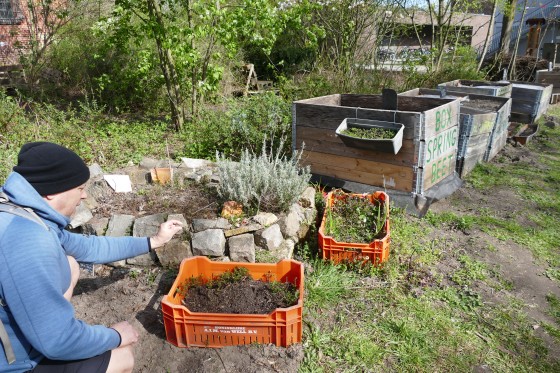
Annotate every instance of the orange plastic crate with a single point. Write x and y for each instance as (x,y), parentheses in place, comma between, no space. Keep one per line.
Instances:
(375,252)
(281,327)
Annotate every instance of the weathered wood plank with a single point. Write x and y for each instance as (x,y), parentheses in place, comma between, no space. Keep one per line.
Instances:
(326,141)
(500,89)
(439,169)
(360,170)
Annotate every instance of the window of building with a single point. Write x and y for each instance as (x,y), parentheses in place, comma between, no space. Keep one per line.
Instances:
(9,12)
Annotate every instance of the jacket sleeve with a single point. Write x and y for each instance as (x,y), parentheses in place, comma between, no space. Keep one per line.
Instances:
(33,280)
(94,249)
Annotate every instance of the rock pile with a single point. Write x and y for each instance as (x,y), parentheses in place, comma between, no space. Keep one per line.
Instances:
(273,236)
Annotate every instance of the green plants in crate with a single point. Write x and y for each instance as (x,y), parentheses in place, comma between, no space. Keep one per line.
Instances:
(353,218)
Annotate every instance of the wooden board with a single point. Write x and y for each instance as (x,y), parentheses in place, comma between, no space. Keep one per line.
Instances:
(498,89)
(548,77)
(440,157)
(430,140)
(497,144)
(325,141)
(360,170)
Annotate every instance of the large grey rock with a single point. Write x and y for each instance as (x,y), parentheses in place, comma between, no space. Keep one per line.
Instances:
(147,163)
(195,164)
(138,176)
(119,226)
(210,242)
(99,225)
(146,226)
(290,224)
(200,225)
(179,217)
(242,248)
(95,171)
(81,216)
(285,250)
(269,238)
(309,218)
(265,219)
(307,198)
(172,253)
(99,189)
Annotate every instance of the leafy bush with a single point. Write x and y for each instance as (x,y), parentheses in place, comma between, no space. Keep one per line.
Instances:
(111,142)
(268,181)
(243,124)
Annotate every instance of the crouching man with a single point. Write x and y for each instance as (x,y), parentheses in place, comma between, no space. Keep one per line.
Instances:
(39,269)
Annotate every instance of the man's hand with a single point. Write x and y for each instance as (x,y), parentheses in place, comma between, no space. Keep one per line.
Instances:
(165,233)
(129,335)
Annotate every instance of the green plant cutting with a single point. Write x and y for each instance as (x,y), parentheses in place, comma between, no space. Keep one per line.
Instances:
(353,218)
(374,133)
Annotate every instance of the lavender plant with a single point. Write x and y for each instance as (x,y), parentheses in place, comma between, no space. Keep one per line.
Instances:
(268,181)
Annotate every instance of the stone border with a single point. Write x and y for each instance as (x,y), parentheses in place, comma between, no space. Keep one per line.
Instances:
(266,235)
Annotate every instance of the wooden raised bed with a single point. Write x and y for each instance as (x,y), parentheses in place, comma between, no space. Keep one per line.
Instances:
(478,87)
(550,77)
(479,114)
(427,156)
(480,117)
(529,101)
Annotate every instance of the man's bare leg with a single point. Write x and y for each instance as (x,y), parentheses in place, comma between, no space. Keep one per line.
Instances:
(122,360)
(74,276)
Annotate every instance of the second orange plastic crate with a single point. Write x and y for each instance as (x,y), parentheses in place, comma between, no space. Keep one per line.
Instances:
(375,252)
(281,327)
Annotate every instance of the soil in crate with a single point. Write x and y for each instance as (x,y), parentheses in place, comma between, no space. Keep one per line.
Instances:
(242,295)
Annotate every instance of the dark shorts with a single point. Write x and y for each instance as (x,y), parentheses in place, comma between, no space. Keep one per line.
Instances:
(96,364)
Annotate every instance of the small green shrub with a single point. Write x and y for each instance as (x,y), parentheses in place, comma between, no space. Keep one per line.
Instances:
(269,181)
(354,218)
(239,124)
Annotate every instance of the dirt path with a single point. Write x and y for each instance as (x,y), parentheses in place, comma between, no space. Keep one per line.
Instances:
(514,263)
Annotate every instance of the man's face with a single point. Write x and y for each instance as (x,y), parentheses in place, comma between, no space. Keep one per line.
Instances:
(67,202)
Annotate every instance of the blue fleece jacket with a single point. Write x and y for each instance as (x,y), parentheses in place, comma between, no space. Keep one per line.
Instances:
(34,274)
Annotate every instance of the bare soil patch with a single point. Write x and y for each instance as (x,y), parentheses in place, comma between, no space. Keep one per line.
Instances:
(243,297)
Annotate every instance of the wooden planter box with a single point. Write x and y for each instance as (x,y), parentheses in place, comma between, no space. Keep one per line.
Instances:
(433,93)
(479,115)
(550,77)
(375,252)
(529,101)
(429,146)
(478,87)
(281,327)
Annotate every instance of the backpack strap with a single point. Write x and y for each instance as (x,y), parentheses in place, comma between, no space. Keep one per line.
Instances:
(27,213)
(24,212)
(10,356)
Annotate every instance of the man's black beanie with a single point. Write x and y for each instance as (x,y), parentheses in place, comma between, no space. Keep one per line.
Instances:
(51,168)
